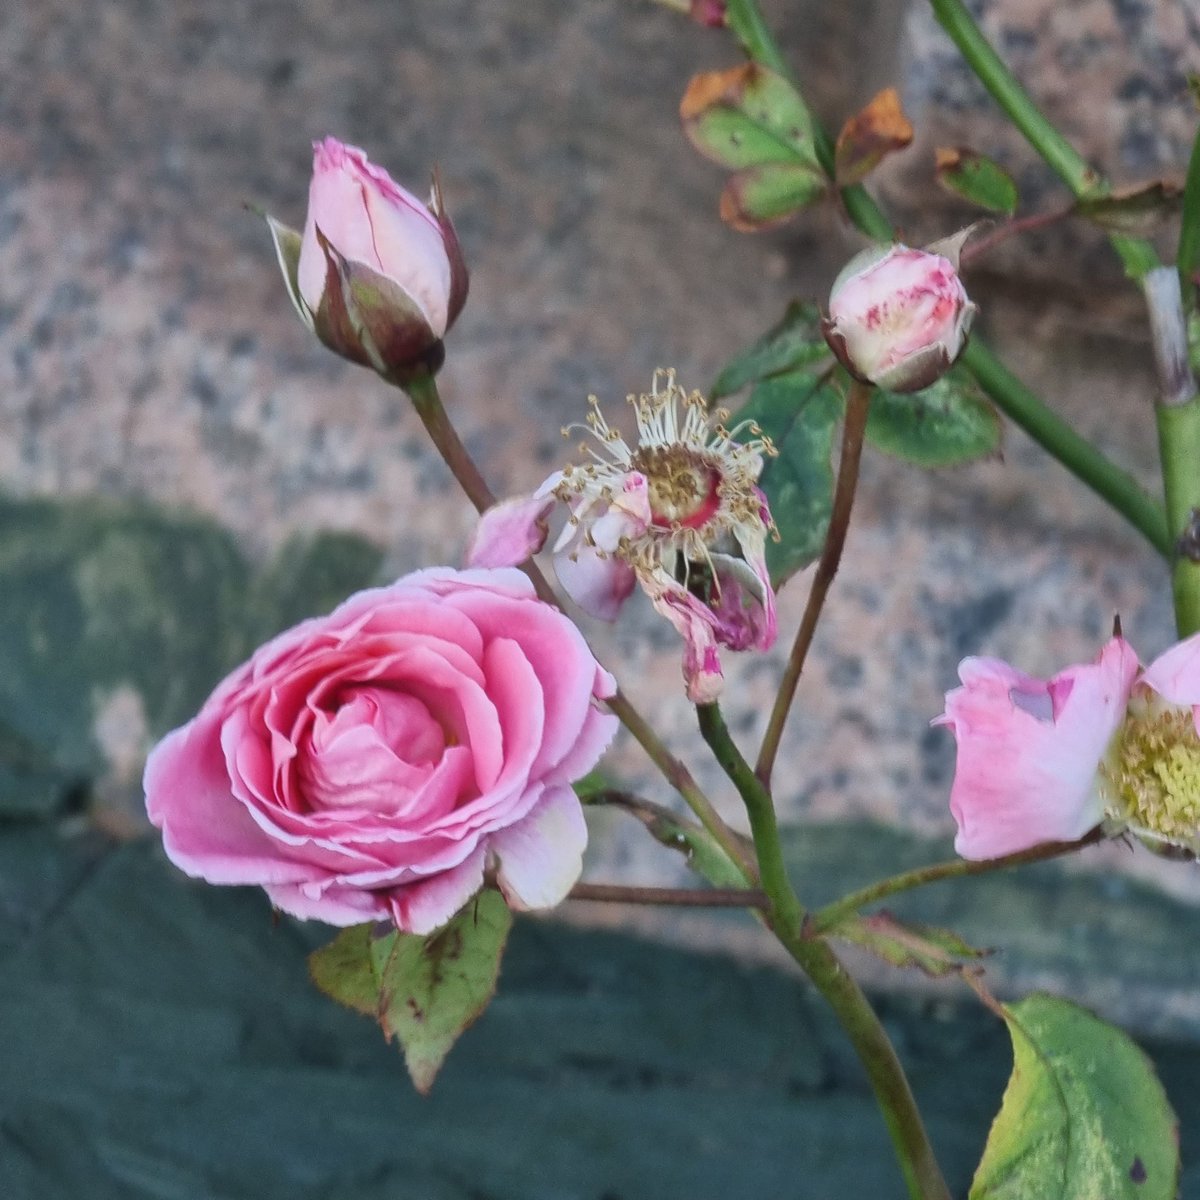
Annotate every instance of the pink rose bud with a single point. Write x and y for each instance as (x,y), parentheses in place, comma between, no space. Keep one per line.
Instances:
(898,317)
(378,275)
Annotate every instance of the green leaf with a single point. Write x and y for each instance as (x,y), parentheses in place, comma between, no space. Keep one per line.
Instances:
(943,425)
(760,197)
(1137,212)
(424,991)
(747,116)
(798,412)
(795,342)
(976,178)
(696,844)
(1193,332)
(1084,1116)
(929,948)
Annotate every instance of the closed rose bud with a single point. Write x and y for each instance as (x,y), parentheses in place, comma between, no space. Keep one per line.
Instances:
(898,317)
(378,275)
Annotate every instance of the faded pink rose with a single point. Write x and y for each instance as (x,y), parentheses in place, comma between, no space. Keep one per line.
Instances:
(378,275)
(899,317)
(1030,750)
(381,762)
(679,514)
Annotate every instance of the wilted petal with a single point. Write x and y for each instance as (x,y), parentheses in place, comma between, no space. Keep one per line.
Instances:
(513,530)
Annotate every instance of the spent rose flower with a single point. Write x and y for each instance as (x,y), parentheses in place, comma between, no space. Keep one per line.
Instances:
(678,514)
(382,762)
(899,317)
(1042,761)
(378,275)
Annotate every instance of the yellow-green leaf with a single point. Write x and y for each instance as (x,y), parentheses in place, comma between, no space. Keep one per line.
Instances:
(1084,1116)
(976,178)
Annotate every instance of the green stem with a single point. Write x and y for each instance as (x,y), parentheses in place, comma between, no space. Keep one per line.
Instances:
(857,406)
(826,918)
(1177,413)
(1188,258)
(1075,453)
(423,392)
(1137,254)
(785,915)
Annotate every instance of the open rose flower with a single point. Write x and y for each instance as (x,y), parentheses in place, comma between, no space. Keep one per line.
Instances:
(679,514)
(381,762)
(1029,750)
(899,317)
(378,275)
(1097,744)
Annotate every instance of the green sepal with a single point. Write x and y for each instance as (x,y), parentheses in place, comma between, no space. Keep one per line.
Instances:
(423,990)
(1084,1116)
(287,244)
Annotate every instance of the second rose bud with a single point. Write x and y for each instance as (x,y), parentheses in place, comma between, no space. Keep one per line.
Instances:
(377,275)
(899,317)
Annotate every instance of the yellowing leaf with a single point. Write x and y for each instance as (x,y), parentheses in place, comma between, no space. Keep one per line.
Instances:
(869,136)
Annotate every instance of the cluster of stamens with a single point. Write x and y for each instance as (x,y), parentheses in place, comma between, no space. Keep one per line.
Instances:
(1150,778)
(700,480)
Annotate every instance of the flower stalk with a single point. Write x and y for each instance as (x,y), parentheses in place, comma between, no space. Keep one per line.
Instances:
(786,917)
(857,405)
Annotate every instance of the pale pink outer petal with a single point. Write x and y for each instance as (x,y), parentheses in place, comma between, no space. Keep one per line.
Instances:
(599,584)
(340,906)
(510,532)
(368,218)
(539,859)
(1175,675)
(428,904)
(1028,750)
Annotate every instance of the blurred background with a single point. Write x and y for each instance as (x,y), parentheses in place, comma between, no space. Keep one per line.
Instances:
(183,471)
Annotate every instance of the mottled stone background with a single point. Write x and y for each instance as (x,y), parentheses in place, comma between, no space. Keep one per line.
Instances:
(147,351)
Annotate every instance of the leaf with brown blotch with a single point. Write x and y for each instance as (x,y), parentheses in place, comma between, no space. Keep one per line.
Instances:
(869,137)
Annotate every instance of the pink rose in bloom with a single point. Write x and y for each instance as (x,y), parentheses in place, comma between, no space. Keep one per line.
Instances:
(1029,750)
(679,514)
(381,762)
(898,317)
(1099,743)
(378,275)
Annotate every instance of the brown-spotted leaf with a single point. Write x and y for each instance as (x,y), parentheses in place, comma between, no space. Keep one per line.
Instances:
(759,198)
(1135,212)
(747,116)
(976,178)
(423,991)
(870,136)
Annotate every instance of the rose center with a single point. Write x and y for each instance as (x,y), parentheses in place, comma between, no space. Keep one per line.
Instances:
(1151,775)
(682,487)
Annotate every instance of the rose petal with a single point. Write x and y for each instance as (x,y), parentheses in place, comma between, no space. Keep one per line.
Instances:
(539,859)
(427,905)
(1022,779)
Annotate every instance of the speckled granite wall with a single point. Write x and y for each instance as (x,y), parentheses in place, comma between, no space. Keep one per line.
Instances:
(147,348)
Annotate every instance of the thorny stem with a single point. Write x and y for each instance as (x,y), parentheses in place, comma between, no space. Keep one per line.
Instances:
(826,918)
(786,917)
(857,405)
(613,893)
(423,392)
